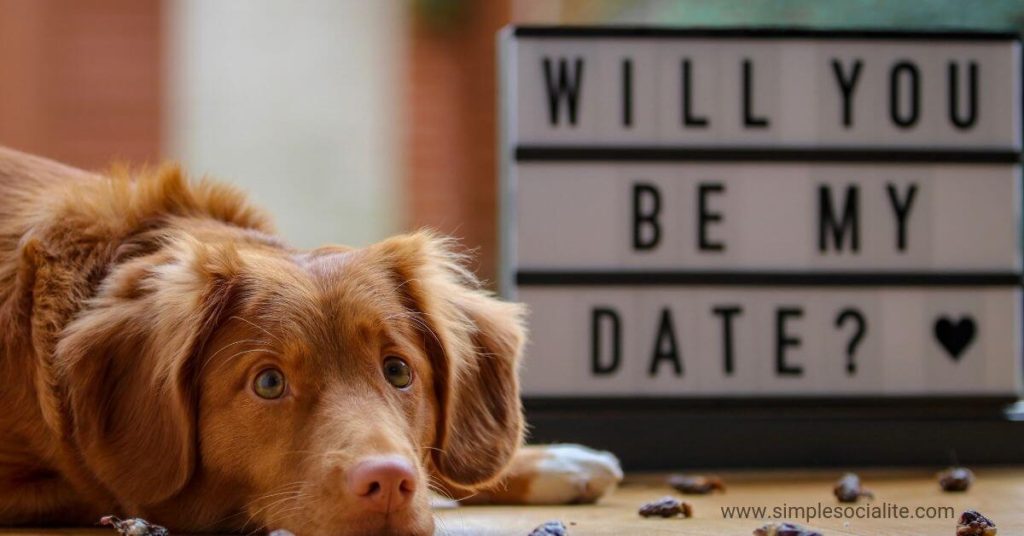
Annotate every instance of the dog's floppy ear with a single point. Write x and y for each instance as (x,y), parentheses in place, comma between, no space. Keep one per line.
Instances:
(474,342)
(127,364)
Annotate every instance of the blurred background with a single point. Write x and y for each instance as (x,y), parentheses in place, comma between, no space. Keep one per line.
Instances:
(349,119)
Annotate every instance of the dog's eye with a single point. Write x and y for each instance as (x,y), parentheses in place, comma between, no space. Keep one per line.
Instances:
(269,384)
(397,372)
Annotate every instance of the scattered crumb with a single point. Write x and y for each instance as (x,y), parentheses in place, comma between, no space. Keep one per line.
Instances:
(133,526)
(784,529)
(848,489)
(956,479)
(666,507)
(696,484)
(551,528)
(974,524)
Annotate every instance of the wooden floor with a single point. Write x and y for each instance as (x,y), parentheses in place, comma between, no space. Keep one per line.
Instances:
(998,493)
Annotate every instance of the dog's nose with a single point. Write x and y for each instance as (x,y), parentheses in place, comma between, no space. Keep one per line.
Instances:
(383,483)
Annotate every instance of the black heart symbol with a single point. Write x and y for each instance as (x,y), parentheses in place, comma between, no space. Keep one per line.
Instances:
(955,337)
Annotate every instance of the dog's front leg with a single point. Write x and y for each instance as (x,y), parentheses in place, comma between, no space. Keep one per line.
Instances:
(553,474)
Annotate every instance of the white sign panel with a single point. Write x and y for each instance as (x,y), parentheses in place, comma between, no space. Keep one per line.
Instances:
(782,92)
(740,217)
(744,341)
(744,213)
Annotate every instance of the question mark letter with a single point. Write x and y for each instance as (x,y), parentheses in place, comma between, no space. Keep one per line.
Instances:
(858,335)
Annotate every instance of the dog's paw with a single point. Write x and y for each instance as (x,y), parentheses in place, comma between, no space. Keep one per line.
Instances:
(572,474)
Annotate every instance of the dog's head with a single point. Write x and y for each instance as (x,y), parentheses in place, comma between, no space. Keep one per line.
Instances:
(322,392)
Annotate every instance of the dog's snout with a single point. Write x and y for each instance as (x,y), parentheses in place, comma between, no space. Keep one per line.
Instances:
(383,483)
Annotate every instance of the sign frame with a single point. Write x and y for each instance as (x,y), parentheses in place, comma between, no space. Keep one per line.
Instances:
(663,432)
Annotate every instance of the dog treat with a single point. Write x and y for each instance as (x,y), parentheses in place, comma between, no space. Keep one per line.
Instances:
(133,526)
(696,484)
(784,529)
(551,528)
(974,524)
(666,507)
(956,479)
(848,489)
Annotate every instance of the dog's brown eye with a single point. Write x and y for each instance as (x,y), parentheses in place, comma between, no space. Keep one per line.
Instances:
(269,384)
(397,372)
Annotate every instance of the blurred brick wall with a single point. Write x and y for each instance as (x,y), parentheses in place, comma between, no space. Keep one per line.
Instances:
(451,167)
(81,80)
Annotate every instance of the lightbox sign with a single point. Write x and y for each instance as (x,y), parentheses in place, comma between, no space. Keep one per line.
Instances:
(763,213)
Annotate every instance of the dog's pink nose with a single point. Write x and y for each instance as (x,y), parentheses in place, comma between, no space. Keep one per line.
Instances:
(383,483)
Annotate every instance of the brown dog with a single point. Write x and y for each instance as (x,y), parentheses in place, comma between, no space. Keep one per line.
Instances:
(165,356)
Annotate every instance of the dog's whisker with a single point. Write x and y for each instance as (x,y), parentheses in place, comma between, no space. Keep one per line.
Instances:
(259,327)
(267,506)
(209,359)
(277,494)
(433,483)
(300,500)
(241,341)
(279,490)
(287,485)
(256,513)
(281,513)
(470,496)
(249,351)
(239,513)
(275,511)
(255,530)
(438,520)
(439,491)
(439,488)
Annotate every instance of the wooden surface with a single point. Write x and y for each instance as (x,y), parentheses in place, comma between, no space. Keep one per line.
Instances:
(998,493)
